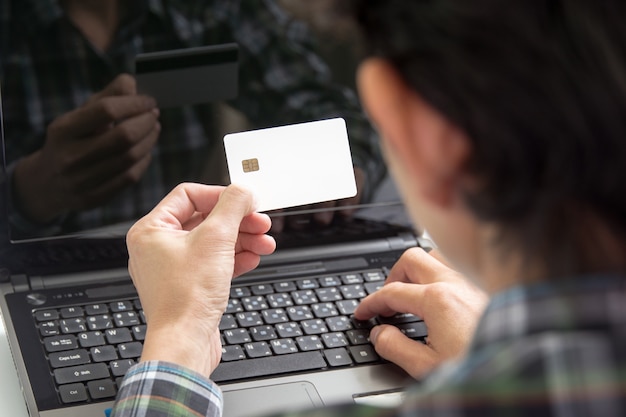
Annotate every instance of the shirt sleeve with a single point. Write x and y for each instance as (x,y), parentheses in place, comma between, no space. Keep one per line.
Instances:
(159,389)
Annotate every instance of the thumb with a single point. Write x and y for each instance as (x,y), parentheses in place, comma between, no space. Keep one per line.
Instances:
(415,357)
(234,203)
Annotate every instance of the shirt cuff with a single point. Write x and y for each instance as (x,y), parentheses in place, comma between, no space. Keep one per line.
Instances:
(157,388)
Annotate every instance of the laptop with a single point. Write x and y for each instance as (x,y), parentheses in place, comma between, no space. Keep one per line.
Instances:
(75,324)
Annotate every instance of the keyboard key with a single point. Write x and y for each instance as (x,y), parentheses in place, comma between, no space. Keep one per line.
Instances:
(288,330)
(335,340)
(258,349)
(126,318)
(130,350)
(328,294)
(59,343)
(307,284)
(262,333)
(364,354)
(96,309)
(279,300)
(262,289)
(49,328)
(69,358)
(75,325)
(414,330)
(255,303)
(73,393)
(298,313)
(237,336)
(91,339)
(372,287)
(272,365)
(338,357)
(286,286)
(330,281)
(104,353)
(371,276)
(284,346)
(71,312)
(307,343)
(249,319)
(45,315)
(315,326)
(238,292)
(339,324)
(81,373)
(351,279)
(232,353)
(358,336)
(115,336)
(119,368)
(304,297)
(234,306)
(100,322)
(120,306)
(275,316)
(353,291)
(139,332)
(228,322)
(104,388)
(347,307)
(323,310)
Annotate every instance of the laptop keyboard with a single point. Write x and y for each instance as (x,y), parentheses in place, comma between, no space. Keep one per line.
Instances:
(305,324)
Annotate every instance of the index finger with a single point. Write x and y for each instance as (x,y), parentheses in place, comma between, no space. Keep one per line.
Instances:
(399,297)
(418,266)
(102,113)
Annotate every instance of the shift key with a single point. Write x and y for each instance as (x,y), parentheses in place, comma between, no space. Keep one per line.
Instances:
(81,373)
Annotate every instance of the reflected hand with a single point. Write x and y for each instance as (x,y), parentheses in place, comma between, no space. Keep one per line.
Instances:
(182,257)
(90,153)
(423,285)
(322,218)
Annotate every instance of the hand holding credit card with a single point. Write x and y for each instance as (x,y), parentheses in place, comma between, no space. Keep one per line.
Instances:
(293,165)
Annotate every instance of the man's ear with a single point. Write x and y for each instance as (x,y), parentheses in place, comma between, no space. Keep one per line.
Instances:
(430,148)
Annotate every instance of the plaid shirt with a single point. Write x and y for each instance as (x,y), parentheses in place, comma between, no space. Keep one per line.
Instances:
(48,68)
(543,350)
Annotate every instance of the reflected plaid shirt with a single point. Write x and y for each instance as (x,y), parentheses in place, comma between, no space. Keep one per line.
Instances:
(543,350)
(48,68)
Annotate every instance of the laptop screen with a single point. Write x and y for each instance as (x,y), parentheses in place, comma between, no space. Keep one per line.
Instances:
(76,171)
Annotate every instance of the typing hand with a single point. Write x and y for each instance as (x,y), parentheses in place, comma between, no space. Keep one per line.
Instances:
(423,285)
(183,256)
(90,153)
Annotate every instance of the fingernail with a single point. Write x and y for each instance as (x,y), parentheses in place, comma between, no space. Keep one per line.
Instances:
(374,334)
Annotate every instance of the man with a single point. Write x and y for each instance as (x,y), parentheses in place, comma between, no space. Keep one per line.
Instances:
(85,150)
(502,123)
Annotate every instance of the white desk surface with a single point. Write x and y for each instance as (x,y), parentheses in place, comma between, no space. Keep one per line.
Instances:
(11,398)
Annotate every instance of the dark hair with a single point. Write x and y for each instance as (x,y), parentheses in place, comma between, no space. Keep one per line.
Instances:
(539,86)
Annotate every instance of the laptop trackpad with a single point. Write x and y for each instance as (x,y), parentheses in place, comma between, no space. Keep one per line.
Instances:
(261,401)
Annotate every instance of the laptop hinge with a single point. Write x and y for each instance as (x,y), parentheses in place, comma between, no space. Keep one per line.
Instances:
(81,278)
(400,242)
(19,282)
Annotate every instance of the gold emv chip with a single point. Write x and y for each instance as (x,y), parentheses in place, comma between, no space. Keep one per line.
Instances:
(250,165)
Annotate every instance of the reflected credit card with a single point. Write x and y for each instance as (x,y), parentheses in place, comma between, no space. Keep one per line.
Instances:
(189,76)
(293,165)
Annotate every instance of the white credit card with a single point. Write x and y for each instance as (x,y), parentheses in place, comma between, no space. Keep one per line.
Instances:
(293,165)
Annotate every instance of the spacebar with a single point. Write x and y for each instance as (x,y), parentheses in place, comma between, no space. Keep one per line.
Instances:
(271,365)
